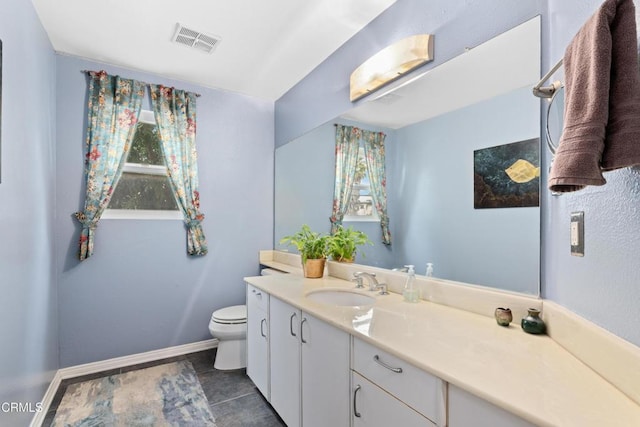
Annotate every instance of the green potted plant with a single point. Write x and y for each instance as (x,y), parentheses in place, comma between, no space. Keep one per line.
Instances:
(343,244)
(313,248)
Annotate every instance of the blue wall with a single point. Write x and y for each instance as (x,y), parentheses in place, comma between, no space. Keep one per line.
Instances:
(140,291)
(604,286)
(28,300)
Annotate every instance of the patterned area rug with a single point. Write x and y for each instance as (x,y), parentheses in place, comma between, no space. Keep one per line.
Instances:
(163,395)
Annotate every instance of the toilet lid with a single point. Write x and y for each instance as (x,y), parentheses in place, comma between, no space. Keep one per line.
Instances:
(234,313)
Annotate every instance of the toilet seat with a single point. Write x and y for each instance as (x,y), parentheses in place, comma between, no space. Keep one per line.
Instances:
(234,315)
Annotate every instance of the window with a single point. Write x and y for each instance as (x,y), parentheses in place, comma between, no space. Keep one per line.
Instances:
(144,190)
(361,206)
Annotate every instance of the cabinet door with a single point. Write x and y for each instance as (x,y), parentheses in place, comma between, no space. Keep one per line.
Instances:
(374,407)
(325,374)
(285,360)
(258,339)
(467,410)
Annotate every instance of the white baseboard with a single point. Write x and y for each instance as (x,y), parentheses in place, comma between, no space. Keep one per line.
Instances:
(38,418)
(133,359)
(115,363)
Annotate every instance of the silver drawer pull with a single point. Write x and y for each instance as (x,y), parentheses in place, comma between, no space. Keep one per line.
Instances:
(355,406)
(301,331)
(376,359)
(293,334)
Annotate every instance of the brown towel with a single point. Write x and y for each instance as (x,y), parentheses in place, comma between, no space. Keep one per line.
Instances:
(602,100)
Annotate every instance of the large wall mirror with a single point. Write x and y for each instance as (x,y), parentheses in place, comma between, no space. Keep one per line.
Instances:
(434,124)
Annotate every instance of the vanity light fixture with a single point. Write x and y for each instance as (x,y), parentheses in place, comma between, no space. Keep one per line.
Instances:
(391,63)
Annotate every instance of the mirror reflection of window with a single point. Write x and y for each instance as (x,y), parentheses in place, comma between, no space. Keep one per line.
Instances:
(361,203)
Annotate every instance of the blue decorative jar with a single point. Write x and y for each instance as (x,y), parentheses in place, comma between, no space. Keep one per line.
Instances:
(533,324)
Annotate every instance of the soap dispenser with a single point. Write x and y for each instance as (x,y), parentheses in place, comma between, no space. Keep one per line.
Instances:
(429,269)
(411,293)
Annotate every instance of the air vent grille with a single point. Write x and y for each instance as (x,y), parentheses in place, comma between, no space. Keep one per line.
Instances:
(203,42)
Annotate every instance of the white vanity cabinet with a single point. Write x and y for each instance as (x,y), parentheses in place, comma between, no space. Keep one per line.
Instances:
(309,368)
(258,338)
(385,387)
(317,375)
(467,410)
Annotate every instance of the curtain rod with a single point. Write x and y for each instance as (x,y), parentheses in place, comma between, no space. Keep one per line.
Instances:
(338,124)
(143,82)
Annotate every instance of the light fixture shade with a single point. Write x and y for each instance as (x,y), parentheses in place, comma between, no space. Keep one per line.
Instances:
(390,63)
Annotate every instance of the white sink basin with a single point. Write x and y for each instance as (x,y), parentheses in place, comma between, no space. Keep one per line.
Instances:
(340,297)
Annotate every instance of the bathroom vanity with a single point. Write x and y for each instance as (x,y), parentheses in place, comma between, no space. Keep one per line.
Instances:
(389,362)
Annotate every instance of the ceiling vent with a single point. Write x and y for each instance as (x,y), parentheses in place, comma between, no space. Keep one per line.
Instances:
(203,42)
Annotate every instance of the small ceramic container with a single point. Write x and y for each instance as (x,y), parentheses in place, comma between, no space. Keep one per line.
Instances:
(533,324)
(503,316)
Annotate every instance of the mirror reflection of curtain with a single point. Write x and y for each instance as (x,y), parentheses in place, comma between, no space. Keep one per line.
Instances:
(347,146)
(114,106)
(375,155)
(175,114)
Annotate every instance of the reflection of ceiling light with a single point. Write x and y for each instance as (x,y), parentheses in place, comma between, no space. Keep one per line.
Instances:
(391,63)
(389,98)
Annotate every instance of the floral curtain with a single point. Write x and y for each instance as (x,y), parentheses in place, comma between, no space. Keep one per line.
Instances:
(114,106)
(347,146)
(175,114)
(374,153)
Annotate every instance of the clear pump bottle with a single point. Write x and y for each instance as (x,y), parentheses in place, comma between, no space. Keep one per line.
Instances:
(429,269)
(411,293)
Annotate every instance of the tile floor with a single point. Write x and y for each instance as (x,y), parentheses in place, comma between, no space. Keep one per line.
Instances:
(233,399)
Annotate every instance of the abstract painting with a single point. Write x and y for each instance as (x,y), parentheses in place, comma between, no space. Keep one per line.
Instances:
(507,176)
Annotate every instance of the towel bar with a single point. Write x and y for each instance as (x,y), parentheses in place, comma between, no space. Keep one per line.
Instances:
(547,91)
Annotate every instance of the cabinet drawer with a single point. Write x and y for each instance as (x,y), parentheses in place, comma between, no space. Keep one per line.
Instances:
(418,389)
(373,407)
(257,297)
(465,410)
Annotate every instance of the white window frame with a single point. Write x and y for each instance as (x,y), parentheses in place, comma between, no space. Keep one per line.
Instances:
(146,116)
(374,217)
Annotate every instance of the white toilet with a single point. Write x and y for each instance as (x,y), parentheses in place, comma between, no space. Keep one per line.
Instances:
(229,326)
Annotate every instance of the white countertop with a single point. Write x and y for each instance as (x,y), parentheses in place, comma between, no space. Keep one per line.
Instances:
(529,375)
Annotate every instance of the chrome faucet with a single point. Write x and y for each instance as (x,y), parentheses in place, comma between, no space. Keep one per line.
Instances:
(358,281)
(383,289)
(373,282)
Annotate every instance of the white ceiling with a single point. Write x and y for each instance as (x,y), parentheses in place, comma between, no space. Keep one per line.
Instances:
(267,46)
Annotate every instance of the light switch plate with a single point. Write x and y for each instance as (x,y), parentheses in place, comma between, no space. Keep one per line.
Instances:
(577,233)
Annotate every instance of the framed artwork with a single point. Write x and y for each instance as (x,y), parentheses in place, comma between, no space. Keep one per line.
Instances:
(507,176)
